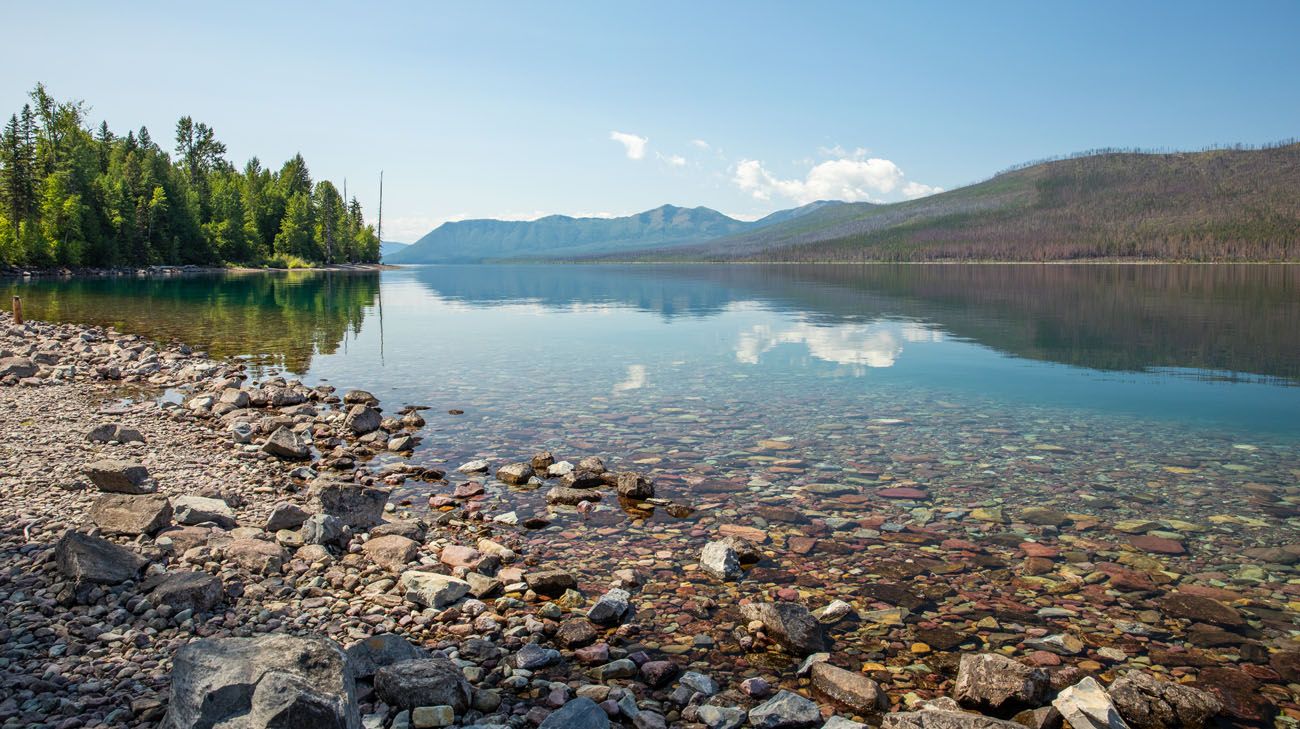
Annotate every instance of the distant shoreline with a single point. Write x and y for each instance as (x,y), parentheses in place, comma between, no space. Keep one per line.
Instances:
(132,271)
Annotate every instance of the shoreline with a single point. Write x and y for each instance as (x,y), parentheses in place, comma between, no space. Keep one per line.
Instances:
(148,271)
(348,587)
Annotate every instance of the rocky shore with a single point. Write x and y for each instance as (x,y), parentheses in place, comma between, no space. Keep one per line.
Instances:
(184,546)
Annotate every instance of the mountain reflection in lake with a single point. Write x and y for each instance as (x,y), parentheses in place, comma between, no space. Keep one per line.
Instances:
(877,429)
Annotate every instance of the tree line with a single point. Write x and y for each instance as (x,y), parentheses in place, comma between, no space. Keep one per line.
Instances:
(72,195)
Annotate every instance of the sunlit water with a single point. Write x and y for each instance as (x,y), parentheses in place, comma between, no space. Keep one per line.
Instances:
(763,396)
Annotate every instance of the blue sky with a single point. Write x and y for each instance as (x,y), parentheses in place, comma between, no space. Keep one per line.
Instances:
(511,109)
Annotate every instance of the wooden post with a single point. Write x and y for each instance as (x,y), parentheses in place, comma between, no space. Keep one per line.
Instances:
(18,310)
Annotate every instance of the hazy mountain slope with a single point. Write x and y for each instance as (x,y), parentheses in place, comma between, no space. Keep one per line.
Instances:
(388,248)
(561,235)
(1215,205)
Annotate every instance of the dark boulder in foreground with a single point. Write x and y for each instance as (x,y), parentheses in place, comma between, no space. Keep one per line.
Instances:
(279,681)
(87,559)
(371,654)
(432,681)
(196,591)
(580,713)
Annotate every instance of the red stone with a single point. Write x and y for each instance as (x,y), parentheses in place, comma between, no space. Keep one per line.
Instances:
(802,545)
(1034,549)
(1159,545)
(902,492)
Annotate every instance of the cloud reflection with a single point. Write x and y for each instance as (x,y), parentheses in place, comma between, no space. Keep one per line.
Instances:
(876,344)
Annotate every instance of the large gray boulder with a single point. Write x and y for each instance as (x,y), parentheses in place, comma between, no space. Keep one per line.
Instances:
(86,559)
(579,713)
(942,719)
(131,514)
(287,445)
(786,710)
(371,654)
(432,681)
(325,529)
(362,419)
(1147,702)
(994,683)
(193,510)
(113,475)
(359,507)
(789,624)
(432,589)
(270,682)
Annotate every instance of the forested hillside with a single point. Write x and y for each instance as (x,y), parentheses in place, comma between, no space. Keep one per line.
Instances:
(1216,205)
(71,195)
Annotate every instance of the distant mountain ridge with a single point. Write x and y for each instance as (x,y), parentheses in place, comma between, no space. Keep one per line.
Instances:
(1216,205)
(565,237)
(390,247)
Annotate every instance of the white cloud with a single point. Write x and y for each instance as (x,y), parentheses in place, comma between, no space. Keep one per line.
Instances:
(700,143)
(838,179)
(673,160)
(632,144)
(851,176)
(915,189)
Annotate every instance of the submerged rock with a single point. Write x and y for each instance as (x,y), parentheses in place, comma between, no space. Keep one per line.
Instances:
(515,474)
(941,719)
(1147,702)
(789,624)
(720,560)
(851,690)
(991,682)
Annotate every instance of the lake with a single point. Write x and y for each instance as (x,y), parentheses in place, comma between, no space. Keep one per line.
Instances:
(849,417)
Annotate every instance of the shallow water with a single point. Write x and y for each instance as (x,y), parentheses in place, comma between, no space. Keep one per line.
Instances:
(794,400)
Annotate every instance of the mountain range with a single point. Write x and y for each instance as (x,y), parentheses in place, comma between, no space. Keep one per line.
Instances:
(564,237)
(1216,205)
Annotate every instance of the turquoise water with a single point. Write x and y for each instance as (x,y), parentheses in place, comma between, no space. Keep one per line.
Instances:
(1197,347)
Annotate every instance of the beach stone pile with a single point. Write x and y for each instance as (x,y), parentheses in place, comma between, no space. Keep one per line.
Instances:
(243,552)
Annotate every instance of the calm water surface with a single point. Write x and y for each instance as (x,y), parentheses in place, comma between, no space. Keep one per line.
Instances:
(1212,348)
(1143,406)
